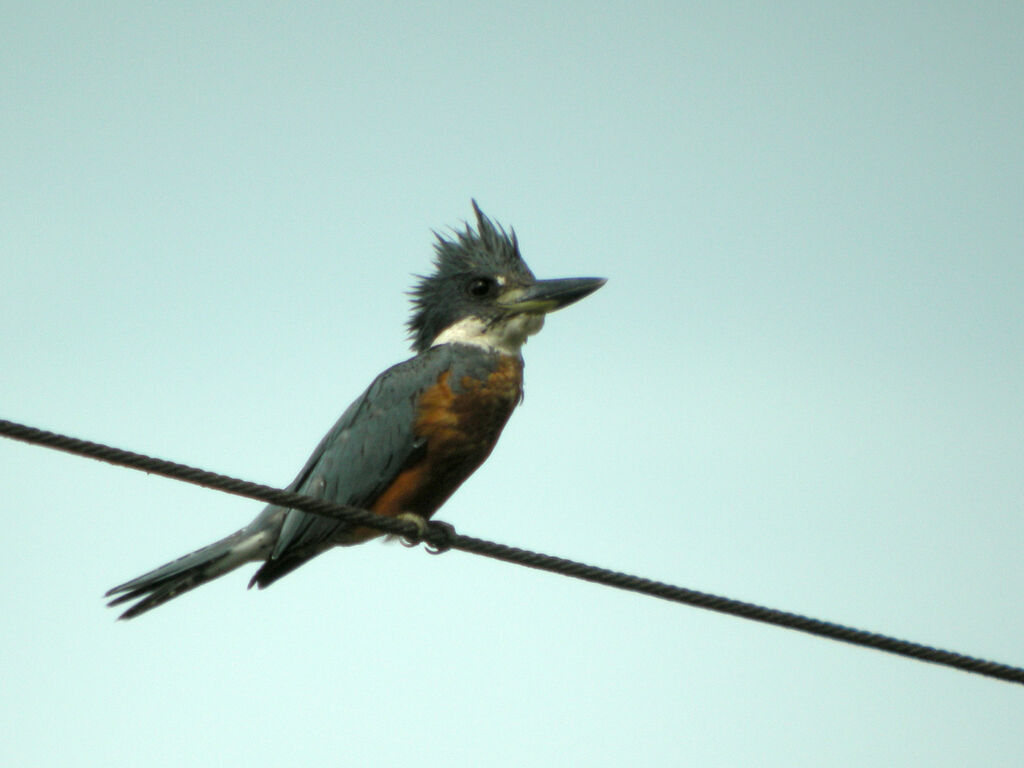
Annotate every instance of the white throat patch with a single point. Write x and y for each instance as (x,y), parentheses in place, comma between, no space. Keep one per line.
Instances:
(506,336)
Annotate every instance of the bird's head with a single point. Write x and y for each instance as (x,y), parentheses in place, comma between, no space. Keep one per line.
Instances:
(482,293)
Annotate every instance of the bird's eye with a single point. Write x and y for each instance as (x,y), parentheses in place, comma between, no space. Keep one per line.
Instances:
(480,286)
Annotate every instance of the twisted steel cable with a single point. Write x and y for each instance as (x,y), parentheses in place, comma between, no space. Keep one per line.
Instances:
(440,537)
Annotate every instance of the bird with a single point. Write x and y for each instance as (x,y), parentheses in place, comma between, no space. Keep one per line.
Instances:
(418,431)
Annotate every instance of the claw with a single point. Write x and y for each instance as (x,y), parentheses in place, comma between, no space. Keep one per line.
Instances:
(421,528)
(447,532)
(434,534)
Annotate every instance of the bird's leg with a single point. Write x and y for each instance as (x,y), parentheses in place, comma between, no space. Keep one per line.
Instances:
(421,528)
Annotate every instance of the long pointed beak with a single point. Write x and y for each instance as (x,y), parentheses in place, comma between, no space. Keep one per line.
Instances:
(549,295)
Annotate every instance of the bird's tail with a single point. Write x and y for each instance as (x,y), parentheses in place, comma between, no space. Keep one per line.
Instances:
(190,571)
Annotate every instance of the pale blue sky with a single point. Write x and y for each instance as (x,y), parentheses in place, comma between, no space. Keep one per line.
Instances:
(801,385)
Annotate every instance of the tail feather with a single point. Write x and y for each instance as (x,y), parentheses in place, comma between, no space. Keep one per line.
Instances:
(190,571)
(274,568)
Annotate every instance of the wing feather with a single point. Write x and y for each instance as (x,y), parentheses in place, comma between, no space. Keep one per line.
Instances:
(357,460)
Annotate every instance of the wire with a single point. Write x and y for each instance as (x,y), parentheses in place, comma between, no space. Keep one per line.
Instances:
(441,537)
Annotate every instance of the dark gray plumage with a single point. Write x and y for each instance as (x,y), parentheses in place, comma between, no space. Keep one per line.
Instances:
(417,432)
(462,263)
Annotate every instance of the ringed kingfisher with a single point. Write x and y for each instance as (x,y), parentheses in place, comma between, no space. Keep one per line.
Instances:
(419,430)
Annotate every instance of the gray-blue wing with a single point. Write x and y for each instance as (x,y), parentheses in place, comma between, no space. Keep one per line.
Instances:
(372,442)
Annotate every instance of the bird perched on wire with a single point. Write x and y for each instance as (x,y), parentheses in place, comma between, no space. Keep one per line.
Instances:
(419,430)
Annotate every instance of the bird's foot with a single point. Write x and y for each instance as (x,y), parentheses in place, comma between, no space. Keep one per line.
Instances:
(411,540)
(435,534)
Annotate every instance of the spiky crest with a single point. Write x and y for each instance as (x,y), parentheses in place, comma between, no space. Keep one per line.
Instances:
(439,299)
